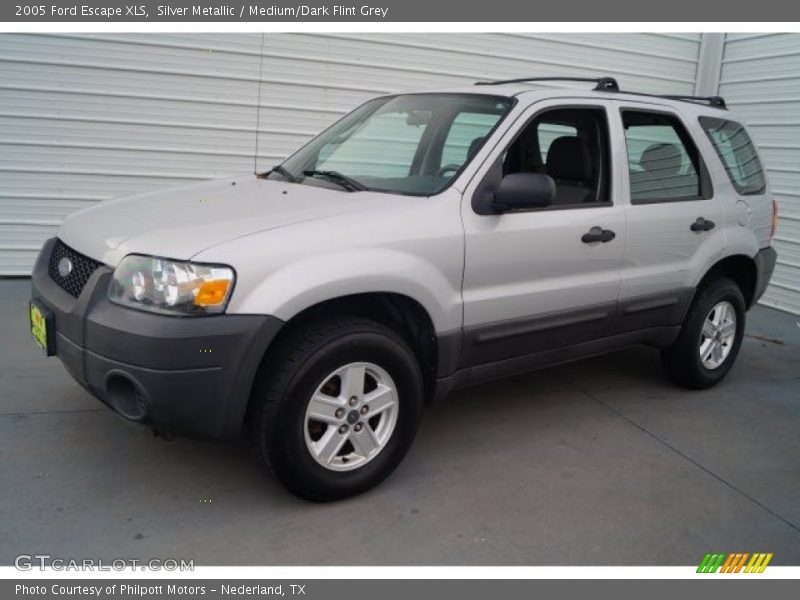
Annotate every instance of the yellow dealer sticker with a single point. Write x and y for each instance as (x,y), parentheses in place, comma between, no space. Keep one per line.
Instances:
(41,328)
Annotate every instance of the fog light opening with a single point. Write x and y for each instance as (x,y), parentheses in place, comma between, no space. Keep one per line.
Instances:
(126,397)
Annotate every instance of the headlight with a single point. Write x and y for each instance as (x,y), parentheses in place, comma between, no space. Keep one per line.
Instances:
(171,287)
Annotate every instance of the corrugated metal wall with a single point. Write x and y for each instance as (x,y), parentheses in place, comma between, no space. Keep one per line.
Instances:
(760,80)
(329,74)
(84,118)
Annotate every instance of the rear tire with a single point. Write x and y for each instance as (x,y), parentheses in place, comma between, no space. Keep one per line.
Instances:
(710,338)
(346,375)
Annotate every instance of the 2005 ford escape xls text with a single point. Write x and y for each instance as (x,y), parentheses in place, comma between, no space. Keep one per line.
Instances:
(424,242)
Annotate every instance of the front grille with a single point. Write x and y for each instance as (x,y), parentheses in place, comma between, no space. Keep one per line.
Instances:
(82,268)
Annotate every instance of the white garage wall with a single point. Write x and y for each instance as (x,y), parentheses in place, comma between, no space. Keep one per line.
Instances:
(335,72)
(84,118)
(760,80)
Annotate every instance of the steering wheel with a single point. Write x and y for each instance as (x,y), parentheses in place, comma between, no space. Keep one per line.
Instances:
(451,167)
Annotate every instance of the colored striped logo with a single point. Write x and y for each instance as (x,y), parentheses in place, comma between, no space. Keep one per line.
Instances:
(735,562)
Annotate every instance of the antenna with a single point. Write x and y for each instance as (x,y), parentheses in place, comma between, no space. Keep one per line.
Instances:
(258,100)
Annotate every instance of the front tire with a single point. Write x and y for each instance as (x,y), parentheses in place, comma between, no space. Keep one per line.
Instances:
(338,406)
(710,338)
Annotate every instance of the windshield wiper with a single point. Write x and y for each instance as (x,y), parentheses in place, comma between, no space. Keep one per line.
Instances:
(348,183)
(280,169)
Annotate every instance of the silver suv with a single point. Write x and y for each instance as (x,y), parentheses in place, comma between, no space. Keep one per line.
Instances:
(424,242)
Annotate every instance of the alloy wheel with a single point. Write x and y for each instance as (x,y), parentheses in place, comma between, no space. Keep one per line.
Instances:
(718,335)
(351,416)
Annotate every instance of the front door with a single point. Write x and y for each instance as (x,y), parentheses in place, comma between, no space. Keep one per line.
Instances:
(549,277)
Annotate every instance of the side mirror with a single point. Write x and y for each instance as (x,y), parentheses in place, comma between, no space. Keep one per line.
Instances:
(524,190)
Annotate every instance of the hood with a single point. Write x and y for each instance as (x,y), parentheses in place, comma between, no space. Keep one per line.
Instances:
(181,222)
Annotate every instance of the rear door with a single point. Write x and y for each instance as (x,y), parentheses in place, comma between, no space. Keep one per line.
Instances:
(675,220)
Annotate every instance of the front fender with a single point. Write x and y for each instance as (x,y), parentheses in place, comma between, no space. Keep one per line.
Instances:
(310,281)
(403,245)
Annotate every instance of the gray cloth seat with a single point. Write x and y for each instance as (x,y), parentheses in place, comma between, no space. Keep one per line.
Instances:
(569,163)
(474,146)
(660,175)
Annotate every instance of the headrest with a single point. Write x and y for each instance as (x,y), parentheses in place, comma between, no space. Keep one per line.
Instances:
(664,159)
(568,159)
(474,146)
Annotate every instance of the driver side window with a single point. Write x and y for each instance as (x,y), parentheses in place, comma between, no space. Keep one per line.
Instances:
(571,145)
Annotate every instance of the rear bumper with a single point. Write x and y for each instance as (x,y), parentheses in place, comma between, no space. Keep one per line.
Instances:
(184,375)
(765,265)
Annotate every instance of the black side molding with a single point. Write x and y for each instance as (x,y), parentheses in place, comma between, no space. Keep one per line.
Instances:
(655,336)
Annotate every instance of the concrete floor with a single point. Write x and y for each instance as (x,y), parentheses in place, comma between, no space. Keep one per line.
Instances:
(601,462)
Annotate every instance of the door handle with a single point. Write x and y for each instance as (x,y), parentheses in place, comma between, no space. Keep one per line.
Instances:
(598,234)
(702,224)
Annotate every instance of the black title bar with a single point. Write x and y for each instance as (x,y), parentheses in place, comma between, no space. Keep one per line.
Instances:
(396,10)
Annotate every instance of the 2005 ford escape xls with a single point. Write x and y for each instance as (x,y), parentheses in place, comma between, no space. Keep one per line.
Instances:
(424,242)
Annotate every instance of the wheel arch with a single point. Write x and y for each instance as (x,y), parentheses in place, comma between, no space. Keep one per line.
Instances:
(401,313)
(742,269)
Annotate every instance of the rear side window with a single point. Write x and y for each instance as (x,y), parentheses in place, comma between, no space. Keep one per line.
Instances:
(737,153)
(663,161)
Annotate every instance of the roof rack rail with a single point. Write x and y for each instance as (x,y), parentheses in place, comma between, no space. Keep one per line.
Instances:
(607,84)
(717,101)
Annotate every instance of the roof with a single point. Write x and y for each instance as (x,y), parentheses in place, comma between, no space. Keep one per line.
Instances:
(533,92)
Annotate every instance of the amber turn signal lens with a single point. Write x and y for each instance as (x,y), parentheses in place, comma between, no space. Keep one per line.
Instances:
(212,293)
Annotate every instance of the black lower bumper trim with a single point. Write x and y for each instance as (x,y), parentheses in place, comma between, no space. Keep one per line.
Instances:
(188,376)
(765,265)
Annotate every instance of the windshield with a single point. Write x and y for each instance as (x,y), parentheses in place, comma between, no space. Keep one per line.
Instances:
(410,144)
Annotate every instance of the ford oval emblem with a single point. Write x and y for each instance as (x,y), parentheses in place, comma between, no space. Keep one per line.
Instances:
(64,267)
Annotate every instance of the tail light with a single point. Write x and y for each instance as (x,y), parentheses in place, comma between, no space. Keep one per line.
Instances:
(774,224)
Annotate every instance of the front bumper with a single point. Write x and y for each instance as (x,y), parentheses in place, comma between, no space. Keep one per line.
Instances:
(183,375)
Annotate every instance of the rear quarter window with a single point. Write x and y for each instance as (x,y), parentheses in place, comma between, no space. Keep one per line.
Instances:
(737,153)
